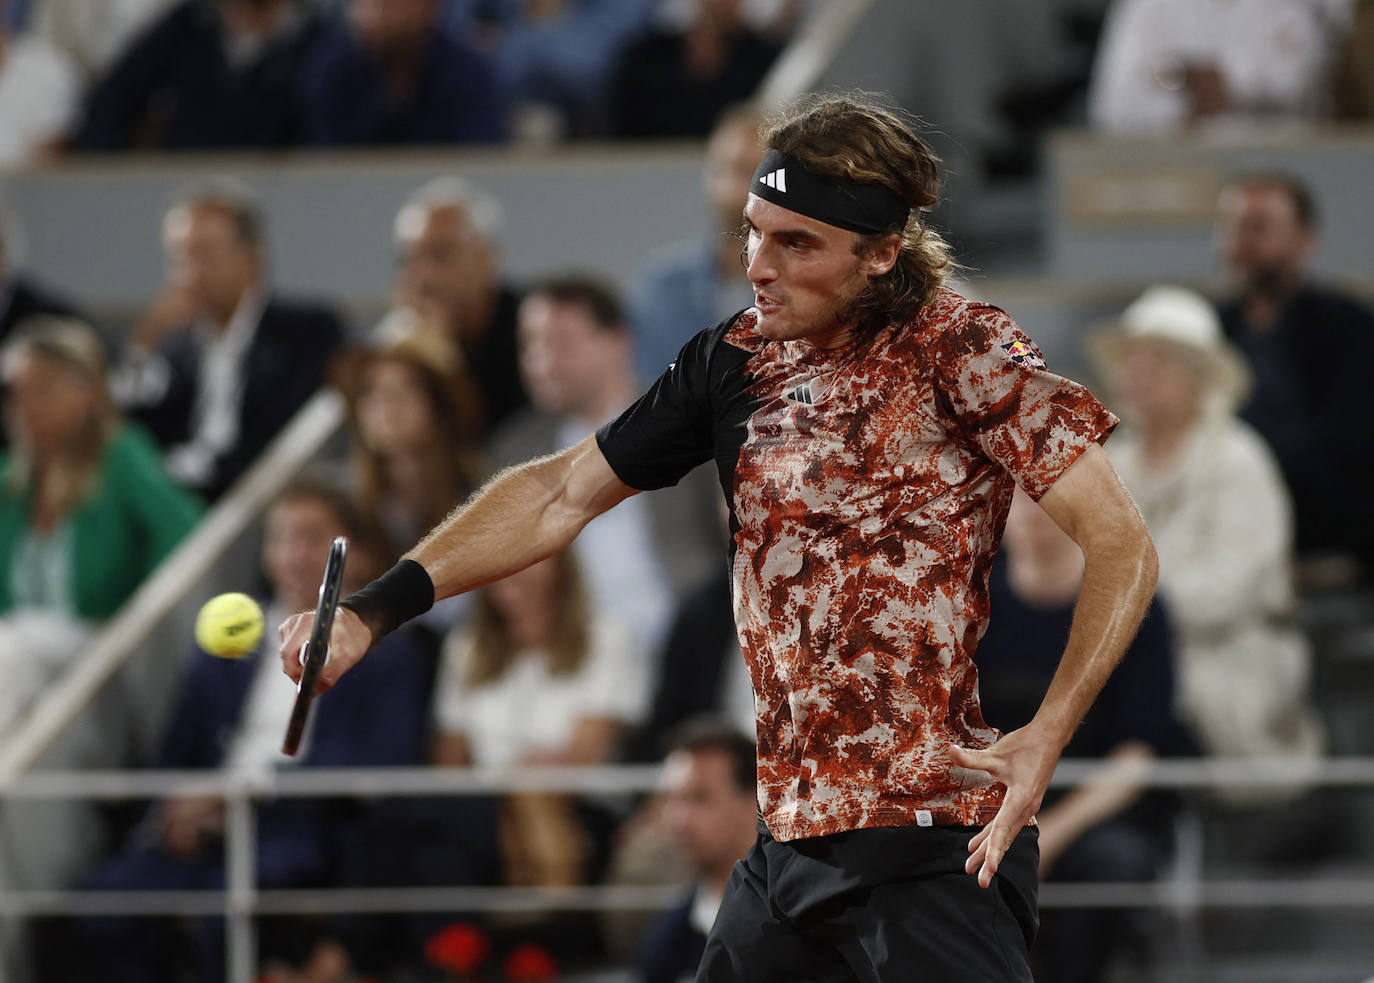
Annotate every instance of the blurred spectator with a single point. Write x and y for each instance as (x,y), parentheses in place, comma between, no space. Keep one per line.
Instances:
(449,237)
(541,676)
(1219,514)
(691,285)
(711,812)
(1167,64)
(86,510)
(576,358)
(412,409)
(207,74)
(39,89)
(701,670)
(390,75)
(91,32)
(232,713)
(1108,829)
(219,364)
(1308,347)
(676,82)
(554,54)
(20,296)
(413,423)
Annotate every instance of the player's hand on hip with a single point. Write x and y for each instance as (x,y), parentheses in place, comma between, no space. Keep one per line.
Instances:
(1024,763)
(349,640)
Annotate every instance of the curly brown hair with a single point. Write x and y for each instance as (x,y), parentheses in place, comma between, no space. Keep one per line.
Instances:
(854,137)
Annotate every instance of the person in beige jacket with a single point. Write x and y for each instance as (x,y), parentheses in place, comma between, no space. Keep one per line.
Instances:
(1220,516)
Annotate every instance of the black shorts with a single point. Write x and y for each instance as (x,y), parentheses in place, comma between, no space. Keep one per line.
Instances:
(875,906)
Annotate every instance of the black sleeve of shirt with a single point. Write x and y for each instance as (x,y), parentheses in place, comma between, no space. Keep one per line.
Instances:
(668,431)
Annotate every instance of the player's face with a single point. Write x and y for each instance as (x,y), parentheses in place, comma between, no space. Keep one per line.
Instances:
(805,273)
(712,818)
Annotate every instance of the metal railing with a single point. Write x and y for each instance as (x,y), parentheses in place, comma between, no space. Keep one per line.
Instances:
(241,900)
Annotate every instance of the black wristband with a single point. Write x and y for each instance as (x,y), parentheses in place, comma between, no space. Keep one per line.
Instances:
(403,592)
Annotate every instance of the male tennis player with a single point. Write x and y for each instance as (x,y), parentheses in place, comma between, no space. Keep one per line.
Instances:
(868,425)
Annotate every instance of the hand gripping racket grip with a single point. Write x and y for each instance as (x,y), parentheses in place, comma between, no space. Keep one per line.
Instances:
(316,650)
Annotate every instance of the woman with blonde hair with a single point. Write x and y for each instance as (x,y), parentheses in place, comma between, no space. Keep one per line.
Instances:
(539,677)
(414,416)
(413,411)
(1221,520)
(86,509)
(86,513)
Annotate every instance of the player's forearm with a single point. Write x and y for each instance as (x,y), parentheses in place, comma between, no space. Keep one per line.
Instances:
(510,523)
(1119,578)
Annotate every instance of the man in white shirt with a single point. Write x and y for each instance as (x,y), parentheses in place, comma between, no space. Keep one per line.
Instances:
(576,355)
(1166,64)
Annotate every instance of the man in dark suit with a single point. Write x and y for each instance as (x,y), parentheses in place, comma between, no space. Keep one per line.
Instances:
(218,364)
(1309,347)
(711,811)
(448,243)
(231,714)
(206,74)
(390,75)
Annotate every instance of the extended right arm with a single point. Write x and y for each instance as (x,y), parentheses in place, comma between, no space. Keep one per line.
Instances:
(524,514)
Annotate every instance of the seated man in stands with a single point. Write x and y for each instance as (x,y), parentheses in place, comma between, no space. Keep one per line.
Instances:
(232,715)
(390,75)
(448,236)
(1309,348)
(711,811)
(577,363)
(219,363)
(207,74)
(675,81)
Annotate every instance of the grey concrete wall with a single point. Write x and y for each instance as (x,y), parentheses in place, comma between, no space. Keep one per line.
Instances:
(1143,209)
(93,230)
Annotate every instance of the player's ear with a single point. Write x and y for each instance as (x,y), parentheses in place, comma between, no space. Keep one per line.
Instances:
(879,257)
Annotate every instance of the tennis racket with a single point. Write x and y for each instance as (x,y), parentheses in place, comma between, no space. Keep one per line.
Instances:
(316,651)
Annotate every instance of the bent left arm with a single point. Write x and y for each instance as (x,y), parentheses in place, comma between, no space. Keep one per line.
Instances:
(1089,503)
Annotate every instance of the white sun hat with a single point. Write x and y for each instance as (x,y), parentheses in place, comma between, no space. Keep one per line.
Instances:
(1187,323)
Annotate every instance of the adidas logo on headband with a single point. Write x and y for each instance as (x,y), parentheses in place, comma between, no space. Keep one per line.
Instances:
(862,208)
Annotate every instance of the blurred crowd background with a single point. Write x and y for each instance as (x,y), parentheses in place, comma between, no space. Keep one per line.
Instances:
(273,271)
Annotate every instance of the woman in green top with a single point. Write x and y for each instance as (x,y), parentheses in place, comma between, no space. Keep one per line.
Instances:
(86,510)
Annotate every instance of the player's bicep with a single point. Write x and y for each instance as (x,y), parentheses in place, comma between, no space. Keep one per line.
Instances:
(1089,502)
(592,486)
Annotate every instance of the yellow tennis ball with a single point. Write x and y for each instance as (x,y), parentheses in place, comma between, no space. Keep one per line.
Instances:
(229,625)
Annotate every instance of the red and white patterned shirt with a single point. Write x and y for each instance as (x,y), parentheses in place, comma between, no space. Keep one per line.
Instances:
(868,489)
